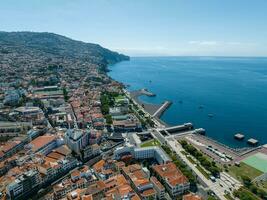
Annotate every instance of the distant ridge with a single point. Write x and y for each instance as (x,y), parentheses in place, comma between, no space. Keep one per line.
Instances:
(55,47)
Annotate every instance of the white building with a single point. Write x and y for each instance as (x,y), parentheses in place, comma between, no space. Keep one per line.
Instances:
(142,153)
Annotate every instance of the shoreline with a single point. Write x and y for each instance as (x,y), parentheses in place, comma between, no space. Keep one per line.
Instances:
(147,108)
(155,110)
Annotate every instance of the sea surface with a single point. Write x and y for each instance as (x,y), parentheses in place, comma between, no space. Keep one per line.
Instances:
(223,95)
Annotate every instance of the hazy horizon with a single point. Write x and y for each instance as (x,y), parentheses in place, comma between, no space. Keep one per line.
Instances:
(148,28)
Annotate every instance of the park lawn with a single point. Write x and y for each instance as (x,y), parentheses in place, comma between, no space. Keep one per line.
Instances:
(150,143)
(244,170)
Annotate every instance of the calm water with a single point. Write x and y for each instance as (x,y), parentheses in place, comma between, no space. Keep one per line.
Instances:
(234,90)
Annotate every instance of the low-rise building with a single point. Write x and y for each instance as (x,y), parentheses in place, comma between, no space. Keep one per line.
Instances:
(174,180)
(158,187)
(139,181)
(10,148)
(91,151)
(43,144)
(30,114)
(142,153)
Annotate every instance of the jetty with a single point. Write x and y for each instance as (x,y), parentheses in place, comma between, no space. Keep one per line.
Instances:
(155,110)
(162,109)
(144,91)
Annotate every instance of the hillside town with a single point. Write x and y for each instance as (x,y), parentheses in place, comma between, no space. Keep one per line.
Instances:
(62,128)
(69,131)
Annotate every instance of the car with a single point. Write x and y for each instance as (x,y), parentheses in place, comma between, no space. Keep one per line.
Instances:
(212,178)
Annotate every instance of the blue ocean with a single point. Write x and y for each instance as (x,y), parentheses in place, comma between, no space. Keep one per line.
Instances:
(223,95)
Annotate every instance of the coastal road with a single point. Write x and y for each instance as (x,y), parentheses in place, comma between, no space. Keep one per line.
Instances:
(214,186)
(225,183)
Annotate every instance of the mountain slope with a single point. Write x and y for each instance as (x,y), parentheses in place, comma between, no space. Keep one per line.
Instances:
(51,46)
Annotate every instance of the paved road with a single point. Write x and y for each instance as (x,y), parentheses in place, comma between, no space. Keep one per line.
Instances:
(214,186)
(224,183)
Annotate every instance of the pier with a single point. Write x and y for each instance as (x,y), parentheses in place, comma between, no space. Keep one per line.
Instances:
(162,109)
(155,110)
(179,128)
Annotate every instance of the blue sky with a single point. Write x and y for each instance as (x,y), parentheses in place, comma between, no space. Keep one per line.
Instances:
(148,27)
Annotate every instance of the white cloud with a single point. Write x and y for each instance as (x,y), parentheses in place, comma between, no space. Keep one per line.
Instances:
(204,43)
(219,43)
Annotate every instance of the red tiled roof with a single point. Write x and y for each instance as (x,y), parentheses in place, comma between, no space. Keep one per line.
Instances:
(41,141)
(191,197)
(170,173)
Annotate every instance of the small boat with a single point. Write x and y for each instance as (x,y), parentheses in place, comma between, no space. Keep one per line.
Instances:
(201,107)
(211,115)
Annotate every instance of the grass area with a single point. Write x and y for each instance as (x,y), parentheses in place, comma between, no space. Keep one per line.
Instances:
(183,152)
(150,143)
(229,197)
(119,98)
(244,170)
(203,172)
(191,160)
(210,166)
(244,194)
(262,185)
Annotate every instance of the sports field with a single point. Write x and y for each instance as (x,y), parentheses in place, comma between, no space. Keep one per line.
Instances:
(258,161)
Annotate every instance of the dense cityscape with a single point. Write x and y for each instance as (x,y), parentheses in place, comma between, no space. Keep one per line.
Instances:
(69,131)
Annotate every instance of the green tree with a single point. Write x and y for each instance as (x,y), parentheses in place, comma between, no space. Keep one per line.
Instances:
(65,94)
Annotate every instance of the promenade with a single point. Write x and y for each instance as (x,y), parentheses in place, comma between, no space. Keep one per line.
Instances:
(219,187)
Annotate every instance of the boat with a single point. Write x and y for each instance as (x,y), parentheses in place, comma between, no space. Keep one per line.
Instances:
(211,115)
(201,107)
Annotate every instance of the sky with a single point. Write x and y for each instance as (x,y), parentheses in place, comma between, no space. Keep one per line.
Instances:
(148,27)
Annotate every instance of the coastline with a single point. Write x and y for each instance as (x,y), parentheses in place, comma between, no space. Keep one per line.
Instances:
(141,105)
(155,110)
(148,108)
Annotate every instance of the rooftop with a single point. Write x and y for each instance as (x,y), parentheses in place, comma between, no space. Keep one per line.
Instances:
(41,141)
(170,174)
(191,197)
